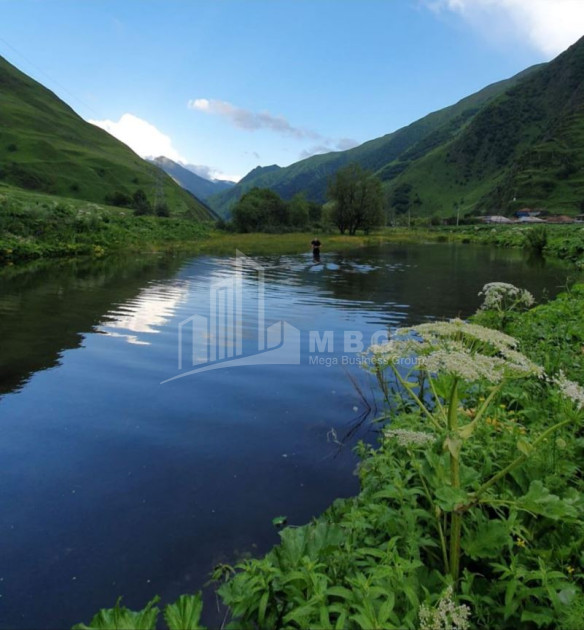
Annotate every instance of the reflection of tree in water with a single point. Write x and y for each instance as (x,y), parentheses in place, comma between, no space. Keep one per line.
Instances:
(46,310)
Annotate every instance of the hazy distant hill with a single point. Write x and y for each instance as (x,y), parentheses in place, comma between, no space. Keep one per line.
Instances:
(388,155)
(200,186)
(45,146)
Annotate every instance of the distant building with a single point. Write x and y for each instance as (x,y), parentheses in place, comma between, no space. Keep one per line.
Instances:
(530,219)
(527,212)
(496,219)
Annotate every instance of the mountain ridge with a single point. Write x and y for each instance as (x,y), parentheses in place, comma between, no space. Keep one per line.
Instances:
(45,146)
(381,155)
(199,186)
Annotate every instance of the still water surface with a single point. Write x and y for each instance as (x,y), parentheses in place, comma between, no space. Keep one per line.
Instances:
(112,483)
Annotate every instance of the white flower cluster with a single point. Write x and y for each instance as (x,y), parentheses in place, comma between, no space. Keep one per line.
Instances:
(467,351)
(503,296)
(448,615)
(410,438)
(570,390)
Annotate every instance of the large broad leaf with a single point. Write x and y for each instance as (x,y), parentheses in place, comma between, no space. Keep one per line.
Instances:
(487,540)
(185,613)
(121,618)
(539,500)
(449,498)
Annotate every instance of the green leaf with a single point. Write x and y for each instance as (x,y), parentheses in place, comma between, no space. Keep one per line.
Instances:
(340,591)
(449,498)
(279,521)
(487,540)
(538,618)
(185,613)
(121,618)
(453,444)
(524,447)
(467,430)
(539,500)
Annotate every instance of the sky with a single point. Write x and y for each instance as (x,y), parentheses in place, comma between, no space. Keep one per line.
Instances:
(229,85)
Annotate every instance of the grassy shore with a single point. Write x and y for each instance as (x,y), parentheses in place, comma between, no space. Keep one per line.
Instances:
(36,226)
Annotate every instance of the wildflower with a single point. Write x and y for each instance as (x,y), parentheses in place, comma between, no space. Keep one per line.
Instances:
(570,390)
(503,296)
(520,542)
(410,438)
(570,569)
(467,351)
(447,615)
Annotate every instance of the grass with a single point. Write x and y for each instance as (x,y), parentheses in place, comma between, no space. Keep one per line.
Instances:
(46,147)
(36,225)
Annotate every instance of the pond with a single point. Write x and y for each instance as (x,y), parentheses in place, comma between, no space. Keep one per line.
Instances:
(157,412)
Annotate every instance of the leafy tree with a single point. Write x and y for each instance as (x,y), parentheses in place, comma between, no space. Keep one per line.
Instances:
(314,212)
(162,209)
(140,203)
(358,200)
(119,199)
(260,209)
(299,210)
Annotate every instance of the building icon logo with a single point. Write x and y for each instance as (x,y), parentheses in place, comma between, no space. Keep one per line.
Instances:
(216,342)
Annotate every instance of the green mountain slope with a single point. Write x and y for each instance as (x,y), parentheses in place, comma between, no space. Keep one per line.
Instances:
(187,179)
(388,155)
(46,147)
(525,148)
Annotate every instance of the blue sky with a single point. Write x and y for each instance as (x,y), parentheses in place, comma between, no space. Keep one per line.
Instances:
(232,84)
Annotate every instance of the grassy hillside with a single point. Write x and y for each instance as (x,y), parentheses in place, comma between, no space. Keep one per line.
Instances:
(388,155)
(46,147)
(526,148)
(36,225)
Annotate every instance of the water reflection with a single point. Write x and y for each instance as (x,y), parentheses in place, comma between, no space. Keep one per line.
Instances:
(47,311)
(111,483)
(146,313)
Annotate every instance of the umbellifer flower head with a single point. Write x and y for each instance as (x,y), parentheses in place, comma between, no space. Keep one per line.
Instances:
(447,615)
(504,296)
(410,438)
(570,390)
(466,351)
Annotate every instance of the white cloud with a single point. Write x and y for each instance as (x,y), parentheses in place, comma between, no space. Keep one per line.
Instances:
(329,145)
(210,172)
(550,26)
(250,120)
(141,136)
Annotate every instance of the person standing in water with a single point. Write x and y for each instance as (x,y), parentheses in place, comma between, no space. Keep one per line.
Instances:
(315,249)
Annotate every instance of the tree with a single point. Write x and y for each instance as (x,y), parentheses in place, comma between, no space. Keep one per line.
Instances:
(357,198)
(299,211)
(260,209)
(140,203)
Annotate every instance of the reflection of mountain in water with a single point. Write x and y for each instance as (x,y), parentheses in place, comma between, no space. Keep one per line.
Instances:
(46,312)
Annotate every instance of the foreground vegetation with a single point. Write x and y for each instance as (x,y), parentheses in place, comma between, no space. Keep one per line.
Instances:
(471,512)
